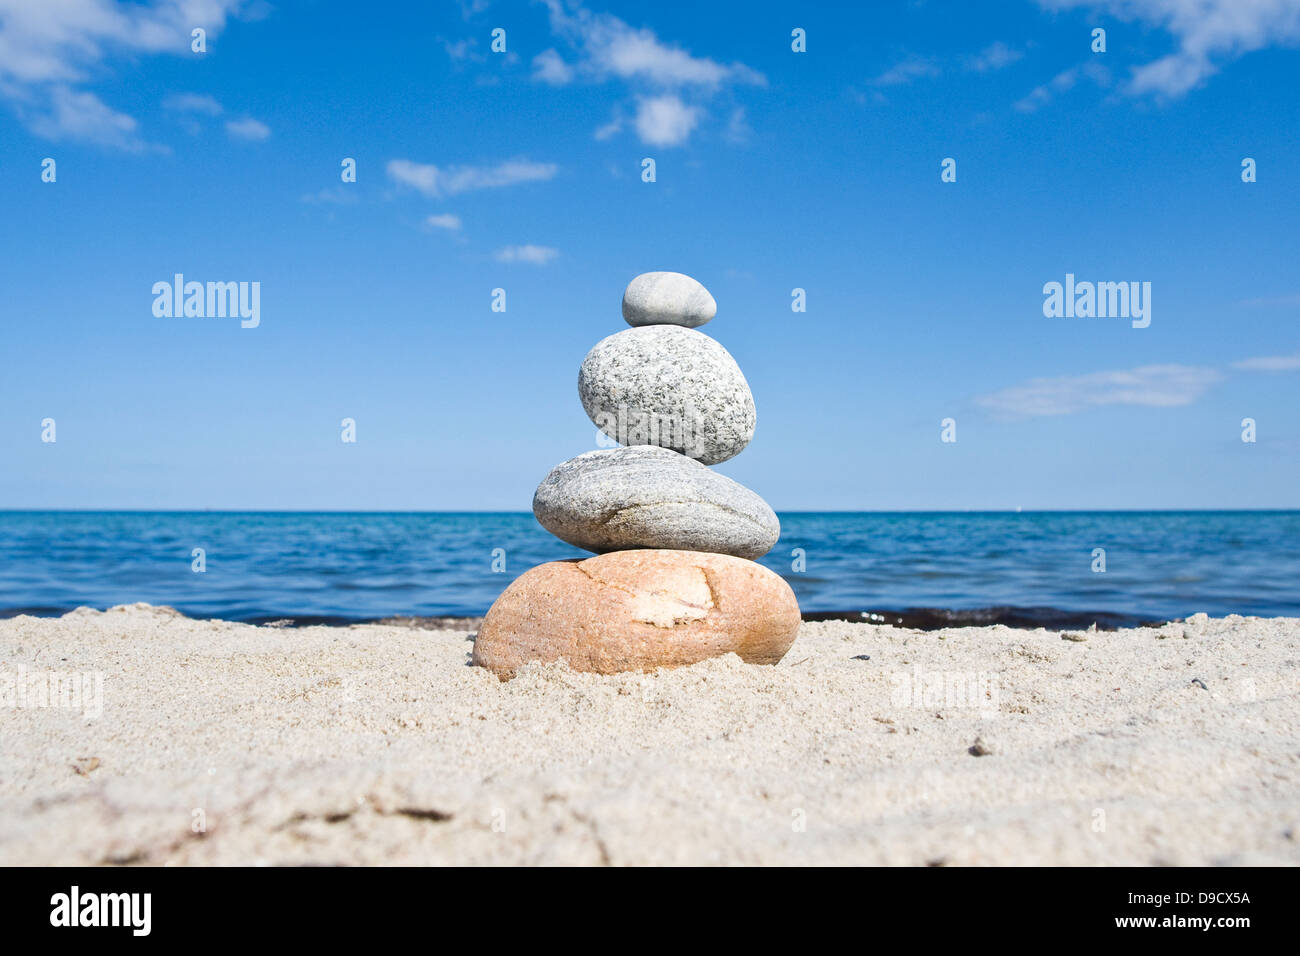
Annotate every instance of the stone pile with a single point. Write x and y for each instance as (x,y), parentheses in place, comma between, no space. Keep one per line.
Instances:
(674,581)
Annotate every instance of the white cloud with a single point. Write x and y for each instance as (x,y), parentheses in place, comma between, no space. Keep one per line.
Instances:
(912,68)
(83,116)
(1269,363)
(47,49)
(609,129)
(248,129)
(421,176)
(1154,386)
(192,103)
(1040,96)
(1208,33)
(665,120)
(610,47)
(738,128)
(549,67)
(1065,80)
(603,47)
(337,195)
(1172,75)
(53,41)
(463,49)
(536,255)
(438,182)
(638,54)
(1274,300)
(444,220)
(995,56)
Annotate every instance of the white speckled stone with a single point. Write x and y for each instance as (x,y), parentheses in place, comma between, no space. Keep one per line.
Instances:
(648,497)
(667,298)
(668,386)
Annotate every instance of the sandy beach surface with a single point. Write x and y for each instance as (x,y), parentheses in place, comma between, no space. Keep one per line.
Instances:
(224,743)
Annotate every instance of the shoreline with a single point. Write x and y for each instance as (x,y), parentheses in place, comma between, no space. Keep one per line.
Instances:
(916,618)
(224,743)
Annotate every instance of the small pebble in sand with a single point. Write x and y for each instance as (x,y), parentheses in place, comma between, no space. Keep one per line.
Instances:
(1199,683)
(84,765)
(980,748)
(1073,636)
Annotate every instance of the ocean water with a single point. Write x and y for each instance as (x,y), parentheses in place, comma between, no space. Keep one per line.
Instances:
(1027,567)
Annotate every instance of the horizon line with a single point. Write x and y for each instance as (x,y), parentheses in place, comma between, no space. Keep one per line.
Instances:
(788,511)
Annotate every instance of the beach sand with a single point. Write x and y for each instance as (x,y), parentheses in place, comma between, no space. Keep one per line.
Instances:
(224,743)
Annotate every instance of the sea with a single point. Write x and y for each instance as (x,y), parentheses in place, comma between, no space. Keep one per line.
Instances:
(931,569)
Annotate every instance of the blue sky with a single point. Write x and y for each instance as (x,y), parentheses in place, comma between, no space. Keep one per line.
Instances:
(775,170)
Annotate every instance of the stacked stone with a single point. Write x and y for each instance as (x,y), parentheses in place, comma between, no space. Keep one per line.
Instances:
(675,581)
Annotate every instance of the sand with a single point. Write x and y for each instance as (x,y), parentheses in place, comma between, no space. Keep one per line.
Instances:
(224,743)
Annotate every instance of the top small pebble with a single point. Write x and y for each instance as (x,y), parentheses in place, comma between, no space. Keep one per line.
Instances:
(667,298)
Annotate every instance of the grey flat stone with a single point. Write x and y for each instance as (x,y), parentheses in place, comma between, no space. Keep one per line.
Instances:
(668,386)
(667,298)
(648,497)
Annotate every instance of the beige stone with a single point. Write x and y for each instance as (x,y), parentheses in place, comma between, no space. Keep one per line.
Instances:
(639,610)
